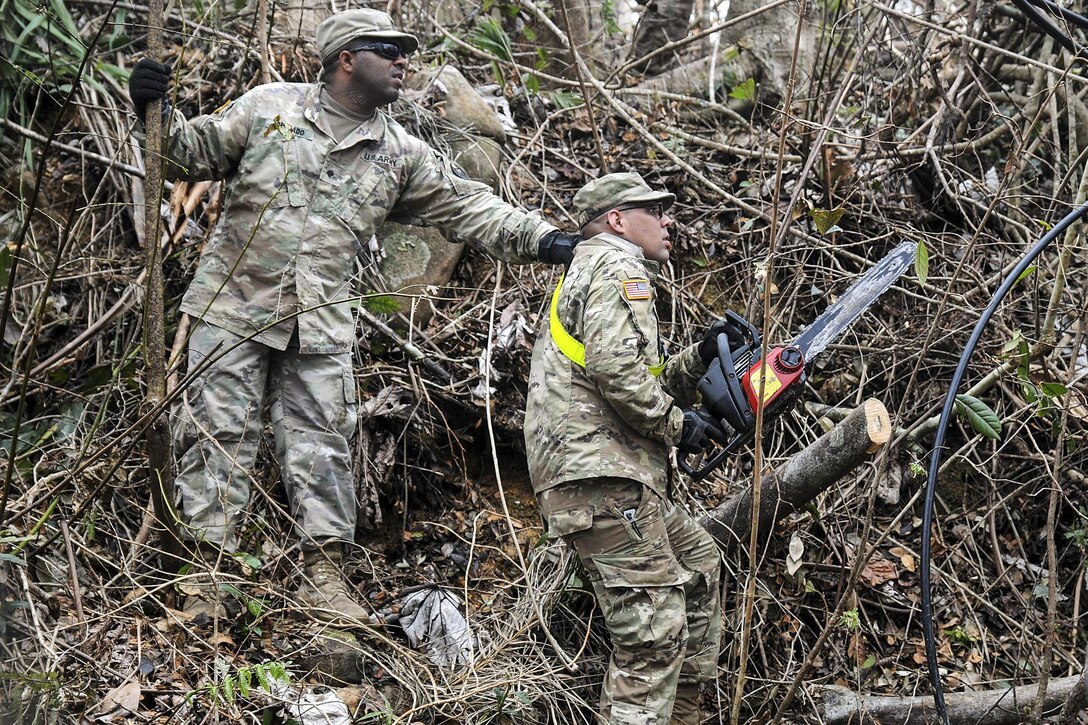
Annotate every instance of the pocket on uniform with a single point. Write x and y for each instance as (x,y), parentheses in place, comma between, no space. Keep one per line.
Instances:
(570,520)
(358,209)
(272,171)
(658,569)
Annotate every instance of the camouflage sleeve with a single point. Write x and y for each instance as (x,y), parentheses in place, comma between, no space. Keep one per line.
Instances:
(616,336)
(440,194)
(208,146)
(681,375)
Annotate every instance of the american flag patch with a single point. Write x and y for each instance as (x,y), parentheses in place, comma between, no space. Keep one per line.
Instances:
(637,289)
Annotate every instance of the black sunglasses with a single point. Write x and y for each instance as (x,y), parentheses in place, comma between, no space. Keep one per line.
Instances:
(389,51)
(655,210)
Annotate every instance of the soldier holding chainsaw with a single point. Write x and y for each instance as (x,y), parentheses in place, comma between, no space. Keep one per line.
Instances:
(602,414)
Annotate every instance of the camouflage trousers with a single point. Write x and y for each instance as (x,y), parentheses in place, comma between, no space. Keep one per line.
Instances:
(217,424)
(656,574)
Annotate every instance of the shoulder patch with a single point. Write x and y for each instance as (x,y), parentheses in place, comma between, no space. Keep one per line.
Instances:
(637,289)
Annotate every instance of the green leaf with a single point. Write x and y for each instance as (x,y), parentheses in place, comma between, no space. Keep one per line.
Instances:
(262,677)
(916,469)
(869,662)
(228,688)
(745,90)
(381,304)
(565,99)
(921,262)
(254,606)
(249,560)
(979,415)
(825,219)
(1013,343)
(244,678)
(1053,390)
(1026,273)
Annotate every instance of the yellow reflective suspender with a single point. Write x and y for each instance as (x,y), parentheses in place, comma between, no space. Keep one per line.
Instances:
(574,350)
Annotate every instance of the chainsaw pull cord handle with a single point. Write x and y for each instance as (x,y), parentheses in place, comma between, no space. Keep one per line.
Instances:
(938,448)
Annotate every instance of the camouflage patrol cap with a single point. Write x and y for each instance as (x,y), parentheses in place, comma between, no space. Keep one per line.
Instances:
(360,23)
(612,190)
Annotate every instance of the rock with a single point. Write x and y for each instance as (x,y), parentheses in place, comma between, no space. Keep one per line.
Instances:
(458,101)
(334,657)
(414,258)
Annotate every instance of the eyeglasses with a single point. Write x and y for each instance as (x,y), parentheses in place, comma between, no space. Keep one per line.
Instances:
(389,51)
(655,210)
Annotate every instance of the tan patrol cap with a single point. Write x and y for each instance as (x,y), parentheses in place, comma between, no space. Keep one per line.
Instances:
(363,24)
(612,190)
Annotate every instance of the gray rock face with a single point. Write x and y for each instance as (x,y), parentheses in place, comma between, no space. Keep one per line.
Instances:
(413,258)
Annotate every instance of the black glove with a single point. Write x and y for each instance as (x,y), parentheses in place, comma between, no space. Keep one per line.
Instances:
(699,429)
(557,247)
(708,348)
(148,82)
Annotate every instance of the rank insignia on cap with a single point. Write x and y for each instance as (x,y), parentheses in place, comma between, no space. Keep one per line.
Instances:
(637,289)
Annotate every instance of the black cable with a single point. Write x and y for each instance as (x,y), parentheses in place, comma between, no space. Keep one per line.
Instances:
(1068,15)
(942,426)
(1050,28)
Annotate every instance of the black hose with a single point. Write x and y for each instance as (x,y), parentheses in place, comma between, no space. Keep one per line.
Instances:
(1067,15)
(942,426)
(1050,28)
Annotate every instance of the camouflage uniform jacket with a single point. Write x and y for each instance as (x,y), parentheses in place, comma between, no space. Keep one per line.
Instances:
(612,418)
(299,206)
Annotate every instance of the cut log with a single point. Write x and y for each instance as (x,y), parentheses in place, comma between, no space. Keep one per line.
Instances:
(986,707)
(804,476)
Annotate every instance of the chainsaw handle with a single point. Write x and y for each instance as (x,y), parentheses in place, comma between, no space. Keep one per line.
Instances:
(738,439)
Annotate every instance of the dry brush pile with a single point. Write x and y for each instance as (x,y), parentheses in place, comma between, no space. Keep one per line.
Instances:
(958,127)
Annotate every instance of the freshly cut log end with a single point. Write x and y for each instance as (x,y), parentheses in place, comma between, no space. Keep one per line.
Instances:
(878,424)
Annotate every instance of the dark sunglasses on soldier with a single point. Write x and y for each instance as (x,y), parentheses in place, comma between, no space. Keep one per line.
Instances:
(389,51)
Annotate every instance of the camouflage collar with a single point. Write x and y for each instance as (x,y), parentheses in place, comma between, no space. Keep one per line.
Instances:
(594,244)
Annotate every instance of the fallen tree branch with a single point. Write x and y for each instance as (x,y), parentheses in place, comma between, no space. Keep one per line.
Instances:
(804,476)
(987,707)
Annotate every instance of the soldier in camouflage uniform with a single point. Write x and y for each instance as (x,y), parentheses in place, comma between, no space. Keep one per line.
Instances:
(602,414)
(311,171)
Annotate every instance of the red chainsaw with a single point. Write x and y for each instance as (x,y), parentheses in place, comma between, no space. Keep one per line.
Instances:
(742,378)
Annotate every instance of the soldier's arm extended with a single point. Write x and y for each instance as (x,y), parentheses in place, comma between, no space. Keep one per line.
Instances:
(464,210)
(617,332)
(208,146)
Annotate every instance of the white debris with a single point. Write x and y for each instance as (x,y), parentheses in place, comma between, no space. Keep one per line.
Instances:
(433,622)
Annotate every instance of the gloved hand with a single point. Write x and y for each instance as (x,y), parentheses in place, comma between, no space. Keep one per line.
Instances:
(708,348)
(699,429)
(148,82)
(557,247)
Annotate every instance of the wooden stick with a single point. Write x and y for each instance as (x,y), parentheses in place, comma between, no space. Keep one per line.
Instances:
(159,463)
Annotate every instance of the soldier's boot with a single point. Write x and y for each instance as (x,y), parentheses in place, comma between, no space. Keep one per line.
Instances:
(203,595)
(686,710)
(325,593)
